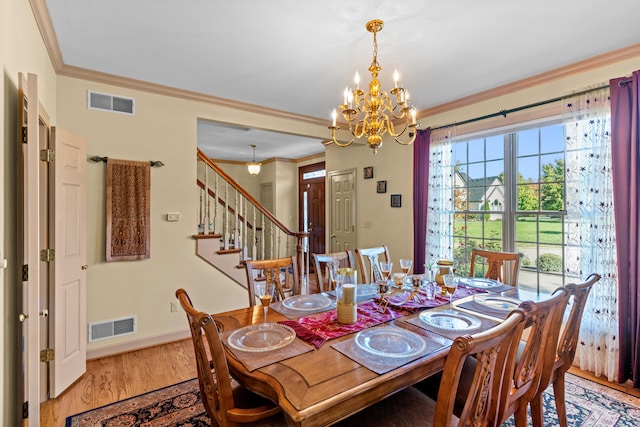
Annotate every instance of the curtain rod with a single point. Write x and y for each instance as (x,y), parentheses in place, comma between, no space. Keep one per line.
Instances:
(513,110)
(153,163)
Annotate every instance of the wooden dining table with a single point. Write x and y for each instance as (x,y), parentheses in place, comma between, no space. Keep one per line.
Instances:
(322,386)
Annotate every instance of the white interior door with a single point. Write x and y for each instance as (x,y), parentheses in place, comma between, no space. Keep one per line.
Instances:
(29,235)
(68,293)
(342,211)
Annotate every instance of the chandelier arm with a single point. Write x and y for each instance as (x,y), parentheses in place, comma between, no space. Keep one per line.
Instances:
(412,135)
(335,141)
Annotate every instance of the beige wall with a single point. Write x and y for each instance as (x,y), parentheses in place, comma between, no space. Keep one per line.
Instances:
(21,50)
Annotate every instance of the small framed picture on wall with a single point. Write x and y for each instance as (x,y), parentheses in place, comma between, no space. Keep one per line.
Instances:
(396,200)
(381,187)
(368,172)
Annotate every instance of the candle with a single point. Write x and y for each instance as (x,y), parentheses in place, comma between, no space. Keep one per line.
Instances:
(348,294)
(413,116)
(396,77)
(333,118)
(357,80)
(346,95)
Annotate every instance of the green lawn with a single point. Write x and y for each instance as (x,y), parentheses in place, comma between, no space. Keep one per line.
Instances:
(549,230)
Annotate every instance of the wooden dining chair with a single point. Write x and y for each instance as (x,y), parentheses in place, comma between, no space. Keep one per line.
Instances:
(226,402)
(543,321)
(501,266)
(493,351)
(561,359)
(283,272)
(322,264)
(369,262)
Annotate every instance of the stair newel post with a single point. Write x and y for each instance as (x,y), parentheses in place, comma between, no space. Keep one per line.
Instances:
(215,202)
(245,251)
(226,218)
(300,249)
(262,231)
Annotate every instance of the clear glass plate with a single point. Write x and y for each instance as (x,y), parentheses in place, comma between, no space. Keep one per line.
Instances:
(366,290)
(307,302)
(450,321)
(390,342)
(477,282)
(497,302)
(261,337)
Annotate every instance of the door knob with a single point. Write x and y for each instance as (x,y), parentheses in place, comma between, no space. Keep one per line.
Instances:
(333,236)
(84,267)
(22,317)
(44,312)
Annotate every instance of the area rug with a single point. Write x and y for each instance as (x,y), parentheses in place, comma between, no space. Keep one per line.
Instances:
(588,404)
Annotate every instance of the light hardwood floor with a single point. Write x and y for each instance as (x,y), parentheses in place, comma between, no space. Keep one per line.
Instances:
(118,377)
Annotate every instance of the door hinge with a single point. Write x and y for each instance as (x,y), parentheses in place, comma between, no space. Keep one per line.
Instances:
(47,255)
(25,133)
(47,155)
(25,272)
(47,355)
(25,410)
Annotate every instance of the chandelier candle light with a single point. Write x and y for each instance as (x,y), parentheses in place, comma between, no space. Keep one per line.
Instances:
(367,113)
(254,167)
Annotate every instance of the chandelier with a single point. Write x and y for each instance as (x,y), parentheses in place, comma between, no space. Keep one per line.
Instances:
(254,167)
(371,113)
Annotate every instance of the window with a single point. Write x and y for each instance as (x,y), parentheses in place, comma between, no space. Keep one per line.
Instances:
(509,196)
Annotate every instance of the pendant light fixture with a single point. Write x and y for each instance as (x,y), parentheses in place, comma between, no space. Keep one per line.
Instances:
(254,167)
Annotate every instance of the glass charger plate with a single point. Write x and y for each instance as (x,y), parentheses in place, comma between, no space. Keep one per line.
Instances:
(450,321)
(390,342)
(261,337)
(477,282)
(366,290)
(307,302)
(497,302)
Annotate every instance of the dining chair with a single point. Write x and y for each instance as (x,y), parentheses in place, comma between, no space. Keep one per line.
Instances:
(562,358)
(501,266)
(226,402)
(283,272)
(369,262)
(487,354)
(322,264)
(542,328)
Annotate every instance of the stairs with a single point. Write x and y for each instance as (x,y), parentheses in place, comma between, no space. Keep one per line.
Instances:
(210,248)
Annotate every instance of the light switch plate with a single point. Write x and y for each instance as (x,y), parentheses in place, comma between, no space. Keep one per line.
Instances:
(173,216)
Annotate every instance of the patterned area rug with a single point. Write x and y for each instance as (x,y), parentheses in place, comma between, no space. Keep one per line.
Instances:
(589,404)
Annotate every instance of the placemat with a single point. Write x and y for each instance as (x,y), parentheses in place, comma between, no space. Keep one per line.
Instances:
(452,335)
(257,360)
(483,309)
(382,364)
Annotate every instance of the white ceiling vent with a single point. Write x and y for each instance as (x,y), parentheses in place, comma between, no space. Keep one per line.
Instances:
(117,104)
(112,328)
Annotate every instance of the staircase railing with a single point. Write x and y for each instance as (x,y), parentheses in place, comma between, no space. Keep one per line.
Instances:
(228,211)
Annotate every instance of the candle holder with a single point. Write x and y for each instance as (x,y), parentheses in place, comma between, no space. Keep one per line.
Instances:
(347,307)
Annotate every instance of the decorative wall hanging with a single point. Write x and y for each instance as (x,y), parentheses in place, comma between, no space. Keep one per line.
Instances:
(127,210)
(396,200)
(381,187)
(368,172)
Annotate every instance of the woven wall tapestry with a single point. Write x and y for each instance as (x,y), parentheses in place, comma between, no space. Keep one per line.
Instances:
(128,201)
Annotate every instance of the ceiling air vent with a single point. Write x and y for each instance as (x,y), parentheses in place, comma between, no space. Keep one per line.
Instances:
(117,104)
(112,328)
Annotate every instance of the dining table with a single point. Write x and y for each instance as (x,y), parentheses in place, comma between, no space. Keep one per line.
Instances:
(330,371)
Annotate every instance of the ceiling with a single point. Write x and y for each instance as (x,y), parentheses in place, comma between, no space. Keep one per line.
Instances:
(298,56)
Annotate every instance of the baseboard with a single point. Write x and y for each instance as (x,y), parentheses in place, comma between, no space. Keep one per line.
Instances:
(139,344)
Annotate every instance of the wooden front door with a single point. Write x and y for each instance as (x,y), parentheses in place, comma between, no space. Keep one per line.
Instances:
(311,179)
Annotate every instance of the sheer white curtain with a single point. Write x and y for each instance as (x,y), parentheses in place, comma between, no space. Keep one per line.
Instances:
(590,229)
(441,183)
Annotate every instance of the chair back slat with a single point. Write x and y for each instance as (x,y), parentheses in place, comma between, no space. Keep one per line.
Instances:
(322,263)
(369,262)
(283,272)
(501,266)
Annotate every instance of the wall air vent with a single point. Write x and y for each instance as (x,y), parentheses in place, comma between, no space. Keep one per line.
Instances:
(117,104)
(112,328)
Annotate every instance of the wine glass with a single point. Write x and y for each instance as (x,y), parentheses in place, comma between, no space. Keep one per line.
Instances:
(450,283)
(385,269)
(405,265)
(264,291)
